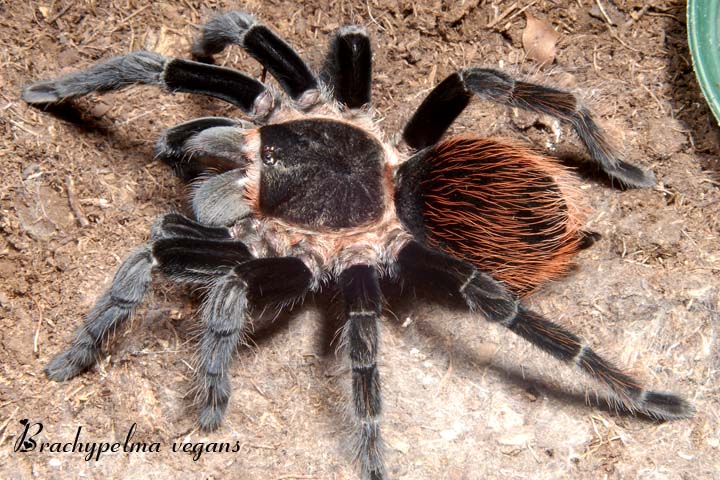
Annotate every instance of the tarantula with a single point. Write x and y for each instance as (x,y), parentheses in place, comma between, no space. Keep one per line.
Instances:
(307,193)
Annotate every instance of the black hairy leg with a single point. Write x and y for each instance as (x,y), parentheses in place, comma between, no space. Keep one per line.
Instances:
(489,297)
(148,68)
(348,67)
(263,45)
(178,225)
(109,312)
(182,250)
(208,144)
(452,95)
(278,280)
(363,302)
(588,239)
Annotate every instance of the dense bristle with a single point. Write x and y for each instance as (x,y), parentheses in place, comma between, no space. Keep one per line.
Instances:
(502,207)
(40,93)
(631,176)
(666,406)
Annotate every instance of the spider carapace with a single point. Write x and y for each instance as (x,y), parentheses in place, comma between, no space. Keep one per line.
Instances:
(306,193)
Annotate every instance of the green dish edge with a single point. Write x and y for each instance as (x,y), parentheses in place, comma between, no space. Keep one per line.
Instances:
(702,23)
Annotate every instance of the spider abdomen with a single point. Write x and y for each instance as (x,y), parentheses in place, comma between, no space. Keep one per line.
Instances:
(500,206)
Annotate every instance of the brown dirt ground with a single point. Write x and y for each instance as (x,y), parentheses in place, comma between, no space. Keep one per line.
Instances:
(463,399)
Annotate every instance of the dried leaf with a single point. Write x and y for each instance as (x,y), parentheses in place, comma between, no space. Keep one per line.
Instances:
(539,40)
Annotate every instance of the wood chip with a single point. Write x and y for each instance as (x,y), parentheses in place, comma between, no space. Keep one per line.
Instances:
(539,40)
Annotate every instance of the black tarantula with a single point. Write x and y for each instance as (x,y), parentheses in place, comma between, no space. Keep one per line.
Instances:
(307,194)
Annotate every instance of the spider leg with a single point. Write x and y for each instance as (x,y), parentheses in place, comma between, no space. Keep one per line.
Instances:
(266,280)
(484,294)
(588,239)
(362,297)
(452,95)
(110,311)
(348,66)
(177,225)
(148,68)
(199,255)
(264,46)
(203,144)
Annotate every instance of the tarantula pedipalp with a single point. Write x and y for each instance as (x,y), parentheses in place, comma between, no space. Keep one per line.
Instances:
(308,193)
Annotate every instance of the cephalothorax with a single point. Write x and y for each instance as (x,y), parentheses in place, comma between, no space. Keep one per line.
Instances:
(308,193)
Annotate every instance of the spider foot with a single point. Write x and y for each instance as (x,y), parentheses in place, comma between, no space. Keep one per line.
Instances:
(211,416)
(41,93)
(630,176)
(113,74)
(242,29)
(588,239)
(370,452)
(71,363)
(376,475)
(666,406)
(221,31)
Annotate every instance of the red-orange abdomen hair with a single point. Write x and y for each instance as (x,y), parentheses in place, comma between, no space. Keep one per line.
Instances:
(508,210)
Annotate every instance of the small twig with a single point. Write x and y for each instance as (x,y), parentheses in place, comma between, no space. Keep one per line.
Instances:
(23,128)
(367,4)
(258,389)
(522,10)
(262,447)
(615,36)
(184,433)
(3,427)
(60,13)
(448,374)
(74,392)
(657,100)
(137,117)
(610,24)
(36,338)
(512,7)
(122,22)
(634,17)
(527,445)
(500,17)
(604,13)
(73,204)
(158,352)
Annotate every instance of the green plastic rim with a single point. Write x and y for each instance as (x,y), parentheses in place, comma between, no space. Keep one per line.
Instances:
(702,22)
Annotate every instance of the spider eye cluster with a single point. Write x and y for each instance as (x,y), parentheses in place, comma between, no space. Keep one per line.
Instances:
(321,173)
(268,155)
